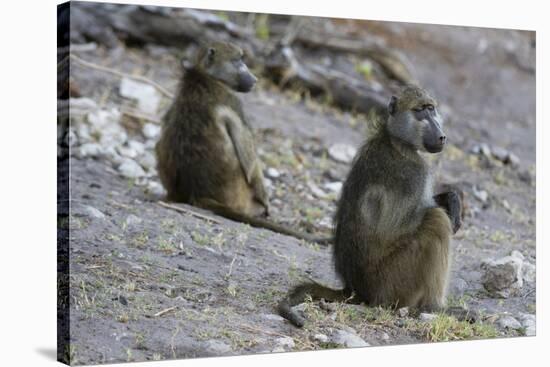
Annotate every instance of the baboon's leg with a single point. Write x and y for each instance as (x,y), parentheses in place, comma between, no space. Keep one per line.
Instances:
(414,271)
(450,201)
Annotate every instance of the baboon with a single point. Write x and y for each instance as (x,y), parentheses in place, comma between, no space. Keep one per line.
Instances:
(392,235)
(206,154)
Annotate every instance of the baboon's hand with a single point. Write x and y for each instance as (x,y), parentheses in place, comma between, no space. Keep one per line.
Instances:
(450,201)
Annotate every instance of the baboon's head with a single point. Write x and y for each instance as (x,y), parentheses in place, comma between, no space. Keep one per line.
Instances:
(414,119)
(224,62)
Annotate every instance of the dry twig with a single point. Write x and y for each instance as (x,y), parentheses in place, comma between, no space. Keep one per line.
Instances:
(190,212)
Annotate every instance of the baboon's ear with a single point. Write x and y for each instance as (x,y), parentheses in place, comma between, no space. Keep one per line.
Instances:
(392,107)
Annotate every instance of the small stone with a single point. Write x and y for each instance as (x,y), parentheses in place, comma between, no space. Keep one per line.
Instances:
(127,152)
(384,336)
(147,161)
(146,95)
(335,187)
(217,347)
(272,173)
(427,317)
(512,159)
(91,150)
(347,339)
(87,211)
(517,254)
(317,192)
(273,317)
(529,322)
(480,195)
(503,277)
(155,189)
(132,220)
(403,312)
(151,131)
(343,153)
(285,342)
(138,146)
(320,338)
(508,322)
(130,169)
(529,272)
(500,153)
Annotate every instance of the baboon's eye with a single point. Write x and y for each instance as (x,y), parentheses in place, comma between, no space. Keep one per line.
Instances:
(418,109)
(430,107)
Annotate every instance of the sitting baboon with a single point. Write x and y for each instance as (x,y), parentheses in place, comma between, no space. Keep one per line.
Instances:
(392,236)
(206,154)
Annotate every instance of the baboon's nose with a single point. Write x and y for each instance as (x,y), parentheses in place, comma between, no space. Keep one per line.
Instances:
(442,139)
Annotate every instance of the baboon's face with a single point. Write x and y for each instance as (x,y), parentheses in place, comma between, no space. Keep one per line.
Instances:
(224,62)
(415,120)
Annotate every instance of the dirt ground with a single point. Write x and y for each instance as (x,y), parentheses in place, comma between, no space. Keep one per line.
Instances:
(150,283)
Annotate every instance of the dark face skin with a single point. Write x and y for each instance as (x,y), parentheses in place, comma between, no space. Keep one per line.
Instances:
(433,138)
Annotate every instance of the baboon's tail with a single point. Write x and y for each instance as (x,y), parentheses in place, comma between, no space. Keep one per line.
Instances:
(300,293)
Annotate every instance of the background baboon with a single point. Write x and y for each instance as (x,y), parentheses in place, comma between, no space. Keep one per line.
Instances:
(206,154)
(391,244)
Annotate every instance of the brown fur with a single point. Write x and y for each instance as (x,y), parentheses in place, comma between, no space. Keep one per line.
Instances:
(392,241)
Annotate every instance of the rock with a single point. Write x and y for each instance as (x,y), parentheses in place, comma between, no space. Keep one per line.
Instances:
(529,272)
(285,342)
(508,322)
(512,159)
(217,347)
(320,338)
(155,189)
(500,153)
(146,95)
(138,146)
(481,195)
(127,152)
(458,287)
(325,223)
(132,220)
(87,211)
(502,277)
(91,150)
(347,339)
(427,317)
(529,323)
(403,312)
(147,161)
(130,169)
(483,149)
(334,187)
(151,131)
(317,192)
(105,124)
(272,317)
(343,153)
(272,173)
(384,336)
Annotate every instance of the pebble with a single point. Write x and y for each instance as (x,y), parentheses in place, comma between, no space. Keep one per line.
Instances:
(87,211)
(272,173)
(155,189)
(146,95)
(151,131)
(529,322)
(427,316)
(343,153)
(91,150)
(272,317)
(132,220)
(285,342)
(316,190)
(480,195)
(335,187)
(403,312)
(508,322)
(147,161)
(320,338)
(347,339)
(130,169)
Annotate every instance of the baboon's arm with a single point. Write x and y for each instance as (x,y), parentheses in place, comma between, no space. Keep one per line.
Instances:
(450,201)
(242,140)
